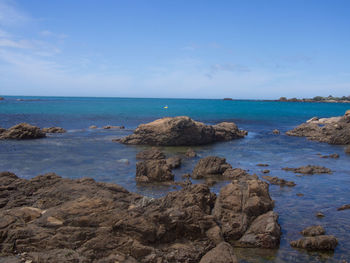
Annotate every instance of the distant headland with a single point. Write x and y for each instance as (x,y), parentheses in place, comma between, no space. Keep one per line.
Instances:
(330,98)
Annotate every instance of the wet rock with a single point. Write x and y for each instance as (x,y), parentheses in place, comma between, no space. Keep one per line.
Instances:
(347,149)
(108,127)
(309,169)
(239,204)
(323,242)
(151,154)
(151,171)
(190,153)
(222,253)
(275,131)
(264,232)
(176,131)
(313,231)
(262,164)
(335,130)
(319,215)
(344,207)
(173,162)
(93,127)
(300,194)
(210,182)
(54,130)
(278,181)
(234,173)
(186,176)
(210,166)
(334,156)
(266,171)
(22,131)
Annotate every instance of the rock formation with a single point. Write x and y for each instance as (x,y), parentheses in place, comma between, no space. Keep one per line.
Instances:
(210,166)
(309,169)
(52,219)
(278,181)
(182,130)
(22,131)
(334,130)
(54,130)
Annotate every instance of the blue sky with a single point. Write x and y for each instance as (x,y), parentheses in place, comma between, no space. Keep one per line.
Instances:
(182,49)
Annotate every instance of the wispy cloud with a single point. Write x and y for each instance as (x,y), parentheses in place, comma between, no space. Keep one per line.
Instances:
(229,67)
(48,33)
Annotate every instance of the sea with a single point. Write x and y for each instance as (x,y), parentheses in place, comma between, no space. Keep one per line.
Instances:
(84,152)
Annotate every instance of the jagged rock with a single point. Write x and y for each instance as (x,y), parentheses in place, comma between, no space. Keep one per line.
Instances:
(323,242)
(275,131)
(222,253)
(264,232)
(335,130)
(239,204)
(182,130)
(210,166)
(278,181)
(234,173)
(22,131)
(344,207)
(54,130)
(173,162)
(151,154)
(309,169)
(313,231)
(190,153)
(151,171)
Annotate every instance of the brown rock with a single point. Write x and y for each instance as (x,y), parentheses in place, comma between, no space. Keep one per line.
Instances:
(323,242)
(93,127)
(344,207)
(334,130)
(276,132)
(190,153)
(319,214)
(22,131)
(278,181)
(151,154)
(210,166)
(234,173)
(313,231)
(309,169)
(182,130)
(151,171)
(173,162)
(54,130)
(262,164)
(108,127)
(333,155)
(264,232)
(222,253)
(347,149)
(266,171)
(300,194)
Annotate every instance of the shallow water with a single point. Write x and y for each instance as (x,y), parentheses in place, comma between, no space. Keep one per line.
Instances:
(83,152)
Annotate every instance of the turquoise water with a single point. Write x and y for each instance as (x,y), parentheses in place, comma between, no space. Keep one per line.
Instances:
(83,152)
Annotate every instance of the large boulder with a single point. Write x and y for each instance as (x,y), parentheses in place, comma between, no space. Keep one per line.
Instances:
(151,171)
(22,131)
(176,131)
(150,154)
(238,205)
(210,166)
(335,130)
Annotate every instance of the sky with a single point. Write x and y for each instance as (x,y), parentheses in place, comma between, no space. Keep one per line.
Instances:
(175,49)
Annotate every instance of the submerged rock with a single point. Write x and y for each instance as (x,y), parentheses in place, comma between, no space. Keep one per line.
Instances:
(344,207)
(54,130)
(151,154)
(210,166)
(333,155)
(151,171)
(22,131)
(313,231)
(262,164)
(335,130)
(108,127)
(190,153)
(309,169)
(93,127)
(52,219)
(278,181)
(322,242)
(182,130)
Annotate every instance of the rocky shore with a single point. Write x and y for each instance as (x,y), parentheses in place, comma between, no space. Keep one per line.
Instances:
(335,130)
(182,131)
(49,218)
(25,131)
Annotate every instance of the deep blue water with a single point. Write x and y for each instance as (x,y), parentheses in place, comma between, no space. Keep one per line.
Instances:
(84,152)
